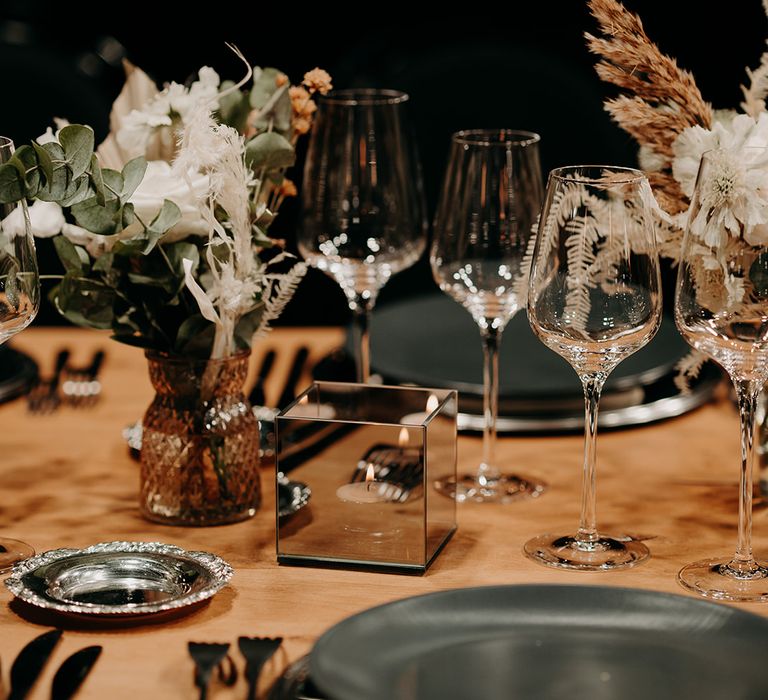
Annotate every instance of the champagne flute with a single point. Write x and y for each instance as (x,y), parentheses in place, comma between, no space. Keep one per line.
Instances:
(721,309)
(362,199)
(594,298)
(490,198)
(19,302)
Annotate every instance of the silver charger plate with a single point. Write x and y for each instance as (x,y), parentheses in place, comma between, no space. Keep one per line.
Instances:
(547,642)
(119,578)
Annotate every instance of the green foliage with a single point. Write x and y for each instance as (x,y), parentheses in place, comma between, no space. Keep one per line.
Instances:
(269,151)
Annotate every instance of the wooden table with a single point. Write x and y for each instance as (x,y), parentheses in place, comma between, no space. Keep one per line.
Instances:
(66,480)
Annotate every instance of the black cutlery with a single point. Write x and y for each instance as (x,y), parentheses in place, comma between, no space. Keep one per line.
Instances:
(257,651)
(289,390)
(257,397)
(29,663)
(72,672)
(206,657)
(44,396)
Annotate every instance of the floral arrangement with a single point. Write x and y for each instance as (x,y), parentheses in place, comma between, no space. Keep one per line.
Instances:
(162,230)
(663,109)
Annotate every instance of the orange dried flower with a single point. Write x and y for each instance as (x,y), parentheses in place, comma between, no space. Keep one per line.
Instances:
(281,79)
(288,188)
(302,126)
(318,80)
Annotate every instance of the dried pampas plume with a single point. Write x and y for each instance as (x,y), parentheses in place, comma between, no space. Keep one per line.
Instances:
(660,99)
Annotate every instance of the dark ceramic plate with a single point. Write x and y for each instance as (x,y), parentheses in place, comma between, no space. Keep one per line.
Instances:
(433,341)
(545,642)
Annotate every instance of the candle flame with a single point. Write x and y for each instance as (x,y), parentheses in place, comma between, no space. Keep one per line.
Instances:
(304,399)
(432,403)
(369,474)
(403,437)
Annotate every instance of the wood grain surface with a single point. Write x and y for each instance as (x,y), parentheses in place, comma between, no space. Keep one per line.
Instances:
(67,480)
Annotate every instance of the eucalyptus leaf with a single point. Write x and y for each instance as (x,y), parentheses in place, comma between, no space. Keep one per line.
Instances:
(263,87)
(133,174)
(78,191)
(269,151)
(95,218)
(113,182)
(260,238)
(11,184)
(128,215)
(84,301)
(97,180)
(26,157)
(77,141)
(104,262)
(195,337)
(168,216)
(59,187)
(44,161)
(71,256)
(234,108)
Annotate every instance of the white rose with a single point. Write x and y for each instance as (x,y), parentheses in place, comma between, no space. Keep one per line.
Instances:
(161,182)
(45,219)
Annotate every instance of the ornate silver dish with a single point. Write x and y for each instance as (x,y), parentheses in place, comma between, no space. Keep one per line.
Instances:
(119,578)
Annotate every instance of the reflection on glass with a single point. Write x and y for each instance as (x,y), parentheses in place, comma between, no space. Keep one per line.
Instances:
(366,453)
(594,298)
(19,302)
(490,198)
(362,200)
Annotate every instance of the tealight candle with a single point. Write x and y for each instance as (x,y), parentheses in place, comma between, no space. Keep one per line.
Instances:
(368,491)
(419,417)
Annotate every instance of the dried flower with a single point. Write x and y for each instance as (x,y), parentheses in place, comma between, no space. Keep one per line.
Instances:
(281,79)
(288,188)
(301,126)
(318,80)
(301,102)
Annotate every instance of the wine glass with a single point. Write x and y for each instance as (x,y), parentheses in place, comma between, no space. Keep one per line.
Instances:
(721,309)
(362,199)
(19,302)
(491,195)
(594,298)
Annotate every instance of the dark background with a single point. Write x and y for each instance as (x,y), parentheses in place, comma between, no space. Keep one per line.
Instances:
(514,65)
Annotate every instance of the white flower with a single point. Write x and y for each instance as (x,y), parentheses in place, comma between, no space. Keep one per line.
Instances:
(137,128)
(45,219)
(730,131)
(161,182)
(733,196)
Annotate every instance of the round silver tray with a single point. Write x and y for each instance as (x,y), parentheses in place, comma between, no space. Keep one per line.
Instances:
(119,578)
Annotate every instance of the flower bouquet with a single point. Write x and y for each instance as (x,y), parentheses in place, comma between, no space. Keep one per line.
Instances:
(163,234)
(663,109)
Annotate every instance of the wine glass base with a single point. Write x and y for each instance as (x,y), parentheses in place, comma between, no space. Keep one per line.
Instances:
(718,580)
(12,552)
(504,489)
(605,554)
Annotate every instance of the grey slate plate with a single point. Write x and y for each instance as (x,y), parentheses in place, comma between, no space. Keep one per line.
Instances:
(545,642)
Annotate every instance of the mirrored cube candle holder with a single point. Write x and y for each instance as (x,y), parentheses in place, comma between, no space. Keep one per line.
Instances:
(370,456)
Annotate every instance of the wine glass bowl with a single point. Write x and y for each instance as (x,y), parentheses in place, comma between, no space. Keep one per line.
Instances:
(594,298)
(491,194)
(721,309)
(362,199)
(19,302)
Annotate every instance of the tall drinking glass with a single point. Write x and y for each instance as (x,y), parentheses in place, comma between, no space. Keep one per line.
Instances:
(594,298)
(490,198)
(721,309)
(362,199)
(19,302)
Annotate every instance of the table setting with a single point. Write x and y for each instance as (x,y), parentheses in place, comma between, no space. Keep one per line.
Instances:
(195,503)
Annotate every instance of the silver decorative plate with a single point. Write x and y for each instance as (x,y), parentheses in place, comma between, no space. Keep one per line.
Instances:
(119,578)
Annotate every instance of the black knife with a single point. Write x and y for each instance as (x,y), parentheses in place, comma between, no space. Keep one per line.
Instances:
(289,390)
(29,663)
(72,672)
(256,397)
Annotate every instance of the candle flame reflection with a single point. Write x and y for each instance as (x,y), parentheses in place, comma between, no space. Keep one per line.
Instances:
(432,403)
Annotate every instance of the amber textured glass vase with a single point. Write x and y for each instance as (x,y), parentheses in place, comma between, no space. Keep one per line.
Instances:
(200,445)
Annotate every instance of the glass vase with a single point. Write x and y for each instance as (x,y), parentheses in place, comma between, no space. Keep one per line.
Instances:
(200,445)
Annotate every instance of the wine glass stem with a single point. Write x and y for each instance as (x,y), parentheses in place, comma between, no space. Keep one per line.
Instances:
(491,341)
(747,393)
(593,386)
(361,317)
